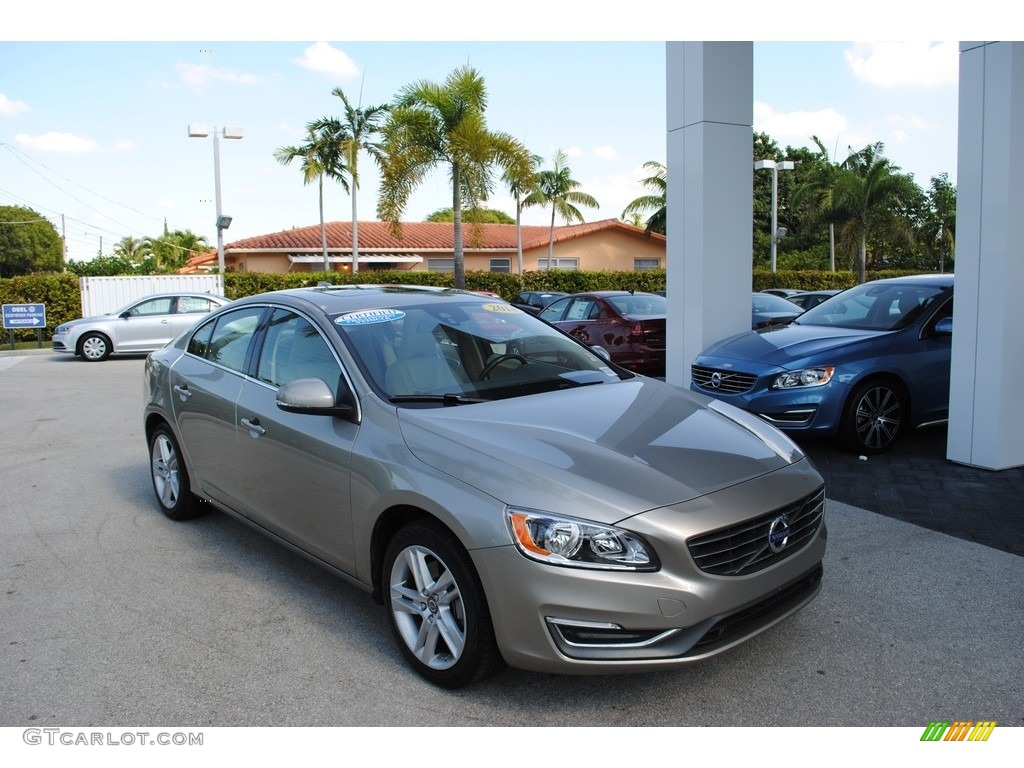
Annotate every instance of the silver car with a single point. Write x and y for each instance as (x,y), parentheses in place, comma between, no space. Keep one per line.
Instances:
(142,326)
(508,494)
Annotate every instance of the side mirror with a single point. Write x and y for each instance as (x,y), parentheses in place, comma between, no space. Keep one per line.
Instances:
(944,327)
(601,352)
(314,397)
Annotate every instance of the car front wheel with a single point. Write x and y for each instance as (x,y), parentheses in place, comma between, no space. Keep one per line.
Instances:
(94,347)
(876,413)
(436,607)
(170,477)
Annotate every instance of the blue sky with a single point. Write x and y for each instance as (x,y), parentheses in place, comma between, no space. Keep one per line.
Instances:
(93,123)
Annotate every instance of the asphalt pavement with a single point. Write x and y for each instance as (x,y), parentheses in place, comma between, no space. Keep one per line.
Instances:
(111,614)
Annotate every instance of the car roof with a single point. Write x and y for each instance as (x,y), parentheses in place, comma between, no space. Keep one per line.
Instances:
(945,280)
(333,299)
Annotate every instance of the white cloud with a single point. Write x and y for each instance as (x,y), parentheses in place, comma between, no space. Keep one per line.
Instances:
(203,75)
(892,65)
(54,141)
(607,152)
(573,152)
(796,128)
(125,145)
(11,107)
(323,57)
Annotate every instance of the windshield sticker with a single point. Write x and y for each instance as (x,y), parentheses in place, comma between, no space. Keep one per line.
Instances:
(367,316)
(499,308)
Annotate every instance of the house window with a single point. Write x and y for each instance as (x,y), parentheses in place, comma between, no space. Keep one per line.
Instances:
(566,264)
(639,265)
(440,265)
(501,265)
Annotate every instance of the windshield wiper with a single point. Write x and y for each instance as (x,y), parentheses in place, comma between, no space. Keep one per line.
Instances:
(446,399)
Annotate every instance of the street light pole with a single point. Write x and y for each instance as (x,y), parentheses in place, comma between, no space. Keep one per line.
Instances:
(781,165)
(223,222)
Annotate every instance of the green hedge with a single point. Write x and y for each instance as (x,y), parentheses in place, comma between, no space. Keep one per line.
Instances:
(60,293)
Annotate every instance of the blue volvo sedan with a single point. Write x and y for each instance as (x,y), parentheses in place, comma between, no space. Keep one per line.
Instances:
(863,365)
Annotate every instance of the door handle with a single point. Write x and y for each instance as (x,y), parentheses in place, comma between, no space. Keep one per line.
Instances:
(253,425)
(182,391)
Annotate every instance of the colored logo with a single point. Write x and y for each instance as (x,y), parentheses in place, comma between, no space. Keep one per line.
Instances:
(959,730)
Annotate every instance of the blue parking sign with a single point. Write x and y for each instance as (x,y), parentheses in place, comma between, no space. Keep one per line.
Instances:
(24,316)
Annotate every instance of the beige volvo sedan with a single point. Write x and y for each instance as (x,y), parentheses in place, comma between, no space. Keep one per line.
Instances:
(506,492)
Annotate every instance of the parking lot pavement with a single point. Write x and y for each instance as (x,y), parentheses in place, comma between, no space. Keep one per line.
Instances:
(914,482)
(114,615)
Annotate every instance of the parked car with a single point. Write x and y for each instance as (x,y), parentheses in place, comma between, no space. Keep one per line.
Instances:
(784,293)
(512,498)
(142,326)
(629,326)
(809,299)
(768,310)
(864,364)
(535,301)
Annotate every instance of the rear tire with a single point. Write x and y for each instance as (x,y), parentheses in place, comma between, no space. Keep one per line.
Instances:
(170,477)
(436,607)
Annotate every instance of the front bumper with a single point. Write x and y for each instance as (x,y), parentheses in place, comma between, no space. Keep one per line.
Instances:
(577,621)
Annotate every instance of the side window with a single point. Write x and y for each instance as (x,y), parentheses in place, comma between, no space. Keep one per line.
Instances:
(225,339)
(582,309)
(160,306)
(294,349)
(553,311)
(190,304)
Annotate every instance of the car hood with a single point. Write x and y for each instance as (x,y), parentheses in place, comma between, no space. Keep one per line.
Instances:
(787,345)
(613,450)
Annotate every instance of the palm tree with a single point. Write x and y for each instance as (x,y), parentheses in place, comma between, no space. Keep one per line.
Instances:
(173,248)
(521,181)
(655,202)
(819,193)
(432,125)
(320,157)
(866,185)
(560,190)
(132,249)
(354,133)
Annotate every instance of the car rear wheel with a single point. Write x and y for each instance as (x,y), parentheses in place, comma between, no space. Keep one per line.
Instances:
(94,347)
(170,477)
(436,607)
(875,414)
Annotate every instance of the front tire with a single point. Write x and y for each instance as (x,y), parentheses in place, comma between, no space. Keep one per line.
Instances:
(437,610)
(875,414)
(170,477)
(94,347)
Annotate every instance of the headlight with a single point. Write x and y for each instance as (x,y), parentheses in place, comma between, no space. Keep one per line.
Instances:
(568,541)
(807,377)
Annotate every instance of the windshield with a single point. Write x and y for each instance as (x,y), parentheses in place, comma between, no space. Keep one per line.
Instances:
(639,304)
(455,353)
(873,306)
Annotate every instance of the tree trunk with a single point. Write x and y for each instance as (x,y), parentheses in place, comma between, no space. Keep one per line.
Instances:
(862,259)
(551,237)
(355,231)
(323,228)
(519,234)
(459,256)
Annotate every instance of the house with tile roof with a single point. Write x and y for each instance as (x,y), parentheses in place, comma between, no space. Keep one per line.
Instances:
(429,246)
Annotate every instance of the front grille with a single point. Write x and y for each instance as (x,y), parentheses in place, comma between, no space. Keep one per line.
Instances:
(746,547)
(717,380)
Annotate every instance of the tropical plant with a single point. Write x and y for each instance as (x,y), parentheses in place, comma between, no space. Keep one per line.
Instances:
(132,249)
(353,133)
(521,181)
(475,216)
(868,186)
(172,249)
(556,187)
(320,156)
(817,195)
(435,125)
(653,203)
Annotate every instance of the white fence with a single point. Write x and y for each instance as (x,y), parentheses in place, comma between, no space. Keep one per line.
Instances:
(101,295)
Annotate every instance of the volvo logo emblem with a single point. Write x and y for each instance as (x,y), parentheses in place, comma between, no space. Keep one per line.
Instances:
(716,380)
(778,534)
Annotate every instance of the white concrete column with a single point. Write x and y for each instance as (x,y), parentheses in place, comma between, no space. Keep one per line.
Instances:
(710,116)
(986,419)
